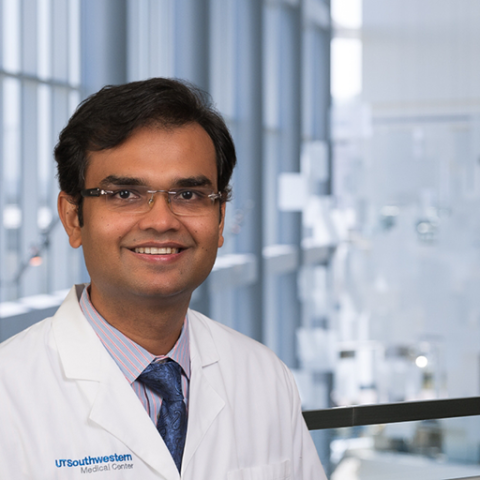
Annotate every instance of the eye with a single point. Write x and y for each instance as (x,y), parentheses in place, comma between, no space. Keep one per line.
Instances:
(189,195)
(125,194)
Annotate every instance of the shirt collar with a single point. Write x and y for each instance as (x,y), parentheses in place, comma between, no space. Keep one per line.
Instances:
(130,357)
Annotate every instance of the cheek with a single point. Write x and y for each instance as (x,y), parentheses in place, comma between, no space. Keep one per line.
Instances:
(103,233)
(207,236)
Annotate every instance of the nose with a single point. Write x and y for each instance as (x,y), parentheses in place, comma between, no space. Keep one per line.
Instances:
(151,200)
(159,216)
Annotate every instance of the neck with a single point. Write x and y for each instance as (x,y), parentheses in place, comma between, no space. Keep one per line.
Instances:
(154,324)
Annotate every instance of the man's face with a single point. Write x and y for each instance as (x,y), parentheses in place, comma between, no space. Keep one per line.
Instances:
(114,244)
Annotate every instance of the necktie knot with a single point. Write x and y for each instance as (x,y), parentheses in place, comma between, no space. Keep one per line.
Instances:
(165,379)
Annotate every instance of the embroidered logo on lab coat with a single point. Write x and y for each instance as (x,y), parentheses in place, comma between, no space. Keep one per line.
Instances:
(97,464)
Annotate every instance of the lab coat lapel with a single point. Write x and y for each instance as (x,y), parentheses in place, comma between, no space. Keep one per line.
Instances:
(205,400)
(114,405)
(115,401)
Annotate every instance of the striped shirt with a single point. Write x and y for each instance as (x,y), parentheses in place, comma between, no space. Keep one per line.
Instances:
(132,359)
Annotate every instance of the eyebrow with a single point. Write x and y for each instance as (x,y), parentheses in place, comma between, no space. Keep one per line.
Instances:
(116,180)
(199,181)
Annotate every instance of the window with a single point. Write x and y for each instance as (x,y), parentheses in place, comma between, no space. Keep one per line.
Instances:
(40,87)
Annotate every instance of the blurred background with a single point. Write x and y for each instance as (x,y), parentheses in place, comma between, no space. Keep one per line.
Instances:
(353,237)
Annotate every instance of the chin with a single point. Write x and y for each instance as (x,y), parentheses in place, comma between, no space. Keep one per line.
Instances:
(163,292)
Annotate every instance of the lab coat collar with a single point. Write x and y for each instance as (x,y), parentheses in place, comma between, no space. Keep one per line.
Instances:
(84,359)
(77,343)
(206,402)
(202,346)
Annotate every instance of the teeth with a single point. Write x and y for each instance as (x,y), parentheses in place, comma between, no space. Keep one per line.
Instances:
(156,251)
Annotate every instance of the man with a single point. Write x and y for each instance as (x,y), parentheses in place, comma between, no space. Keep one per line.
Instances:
(125,381)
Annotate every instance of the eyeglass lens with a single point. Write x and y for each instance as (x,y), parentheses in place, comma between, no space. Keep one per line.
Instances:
(139,199)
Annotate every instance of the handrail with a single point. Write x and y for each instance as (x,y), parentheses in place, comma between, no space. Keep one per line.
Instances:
(359,415)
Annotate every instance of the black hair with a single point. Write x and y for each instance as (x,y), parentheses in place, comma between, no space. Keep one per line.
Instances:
(109,117)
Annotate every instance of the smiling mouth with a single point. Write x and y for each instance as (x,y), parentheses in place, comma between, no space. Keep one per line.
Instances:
(157,251)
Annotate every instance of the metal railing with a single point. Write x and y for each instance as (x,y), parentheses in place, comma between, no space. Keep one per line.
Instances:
(382,414)
(360,415)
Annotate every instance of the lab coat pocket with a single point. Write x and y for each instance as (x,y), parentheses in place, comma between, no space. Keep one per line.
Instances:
(277,471)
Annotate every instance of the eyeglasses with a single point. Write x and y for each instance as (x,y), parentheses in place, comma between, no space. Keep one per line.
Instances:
(139,199)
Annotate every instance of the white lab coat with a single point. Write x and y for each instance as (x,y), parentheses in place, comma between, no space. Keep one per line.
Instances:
(67,411)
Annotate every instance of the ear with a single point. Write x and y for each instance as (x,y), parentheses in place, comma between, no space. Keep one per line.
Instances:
(223,206)
(68,213)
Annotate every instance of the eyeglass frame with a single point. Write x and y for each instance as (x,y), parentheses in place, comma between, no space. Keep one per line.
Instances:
(98,192)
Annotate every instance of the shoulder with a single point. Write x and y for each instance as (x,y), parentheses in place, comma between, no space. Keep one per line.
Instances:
(25,349)
(235,350)
(226,337)
(26,339)
(35,343)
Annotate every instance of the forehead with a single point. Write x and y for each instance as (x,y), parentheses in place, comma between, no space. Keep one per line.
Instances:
(158,157)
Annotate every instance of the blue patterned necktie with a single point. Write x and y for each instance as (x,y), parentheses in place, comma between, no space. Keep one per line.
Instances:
(165,380)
